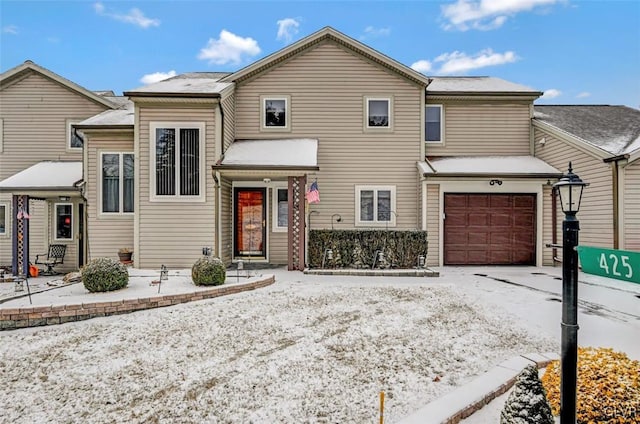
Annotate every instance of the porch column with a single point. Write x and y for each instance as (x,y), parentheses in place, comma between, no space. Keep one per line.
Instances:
(20,261)
(296,230)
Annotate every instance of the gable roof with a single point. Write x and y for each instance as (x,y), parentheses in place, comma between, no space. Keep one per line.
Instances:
(16,73)
(327,33)
(612,129)
(477,85)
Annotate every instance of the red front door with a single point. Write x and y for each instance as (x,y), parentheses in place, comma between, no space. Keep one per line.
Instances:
(250,222)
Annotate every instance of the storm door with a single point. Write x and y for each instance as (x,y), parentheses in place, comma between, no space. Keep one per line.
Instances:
(250,237)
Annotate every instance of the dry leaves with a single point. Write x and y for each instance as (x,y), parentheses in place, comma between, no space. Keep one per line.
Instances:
(608,388)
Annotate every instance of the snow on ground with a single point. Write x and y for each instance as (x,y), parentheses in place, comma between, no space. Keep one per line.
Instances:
(316,350)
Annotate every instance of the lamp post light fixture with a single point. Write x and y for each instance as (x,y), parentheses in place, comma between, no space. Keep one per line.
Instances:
(570,189)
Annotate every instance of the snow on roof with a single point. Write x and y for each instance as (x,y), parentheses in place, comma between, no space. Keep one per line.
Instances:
(123,116)
(301,152)
(46,175)
(190,82)
(489,165)
(477,85)
(614,129)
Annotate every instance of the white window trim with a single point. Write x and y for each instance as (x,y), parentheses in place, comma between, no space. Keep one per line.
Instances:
(55,221)
(375,222)
(121,184)
(263,112)
(274,208)
(7,221)
(389,100)
(424,124)
(153,197)
(69,123)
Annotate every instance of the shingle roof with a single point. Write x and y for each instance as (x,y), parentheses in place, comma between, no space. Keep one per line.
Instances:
(124,116)
(614,129)
(477,85)
(187,83)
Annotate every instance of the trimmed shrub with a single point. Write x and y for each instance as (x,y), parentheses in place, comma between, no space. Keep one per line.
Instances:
(608,387)
(527,403)
(208,271)
(104,274)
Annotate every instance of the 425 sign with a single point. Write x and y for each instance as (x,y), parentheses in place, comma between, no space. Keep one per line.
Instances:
(612,263)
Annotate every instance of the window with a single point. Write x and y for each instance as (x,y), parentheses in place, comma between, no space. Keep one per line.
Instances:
(4,221)
(75,137)
(117,182)
(375,205)
(433,124)
(275,113)
(280,209)
(177,173)
(64,221)
(378,112)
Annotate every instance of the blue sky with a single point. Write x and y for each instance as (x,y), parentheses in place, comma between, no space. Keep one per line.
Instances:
(577,52)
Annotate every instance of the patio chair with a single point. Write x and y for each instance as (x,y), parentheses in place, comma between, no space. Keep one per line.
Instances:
(55,256)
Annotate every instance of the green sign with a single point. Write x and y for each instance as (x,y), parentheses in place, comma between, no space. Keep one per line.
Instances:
(619,264)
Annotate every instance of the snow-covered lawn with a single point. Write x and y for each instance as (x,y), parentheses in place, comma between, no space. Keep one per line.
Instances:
(292,352)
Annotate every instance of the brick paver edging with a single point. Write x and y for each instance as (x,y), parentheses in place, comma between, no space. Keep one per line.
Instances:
(14,318)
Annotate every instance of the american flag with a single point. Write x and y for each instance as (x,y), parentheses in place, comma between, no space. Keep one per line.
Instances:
(313,195)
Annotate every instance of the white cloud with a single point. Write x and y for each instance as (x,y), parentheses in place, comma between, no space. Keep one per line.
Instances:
(287,28)
(157,76)
(422,66)
(10,29)
(458,62)
(551,93)
(486,14)
(373,32)
(583,95)
(229,48)
(135,16)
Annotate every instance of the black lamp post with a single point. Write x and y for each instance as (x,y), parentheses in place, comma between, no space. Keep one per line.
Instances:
(570,189)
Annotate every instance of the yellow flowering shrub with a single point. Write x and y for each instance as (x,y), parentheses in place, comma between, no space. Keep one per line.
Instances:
(608,389)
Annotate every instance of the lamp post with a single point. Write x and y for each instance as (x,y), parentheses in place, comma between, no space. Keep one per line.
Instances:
(570,189)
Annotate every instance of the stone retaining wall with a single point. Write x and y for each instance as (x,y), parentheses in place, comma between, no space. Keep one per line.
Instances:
(14,318)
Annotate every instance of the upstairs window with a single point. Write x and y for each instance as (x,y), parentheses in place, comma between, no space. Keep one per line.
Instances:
(75,137)
(275,113)
(63,221)
(378,112)
(375,205)
(117,182)
(433,124)
(178,161)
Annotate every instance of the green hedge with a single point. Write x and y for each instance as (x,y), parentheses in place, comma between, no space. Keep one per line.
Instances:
(357,248)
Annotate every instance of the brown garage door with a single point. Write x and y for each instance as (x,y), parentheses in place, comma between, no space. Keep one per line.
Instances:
(489,229)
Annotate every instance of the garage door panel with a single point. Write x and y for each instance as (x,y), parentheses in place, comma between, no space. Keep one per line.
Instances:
(485,229)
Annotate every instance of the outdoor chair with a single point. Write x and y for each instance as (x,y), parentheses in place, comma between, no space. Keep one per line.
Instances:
(55,256)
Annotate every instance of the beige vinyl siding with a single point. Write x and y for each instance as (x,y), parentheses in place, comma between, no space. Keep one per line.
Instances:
(433,224)
(631,207)
(596,211)
(327,86)
(472,128)
(229,120)
(173,233)
(35,111)
(547,227)
(226,220)
(106,233)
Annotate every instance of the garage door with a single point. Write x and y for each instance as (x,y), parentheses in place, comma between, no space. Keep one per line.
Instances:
(489,229)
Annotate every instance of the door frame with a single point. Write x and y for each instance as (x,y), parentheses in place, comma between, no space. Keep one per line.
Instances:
(250,186)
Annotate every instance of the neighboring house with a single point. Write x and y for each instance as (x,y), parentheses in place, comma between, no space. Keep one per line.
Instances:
(41,163)
(223,161)
(603,143)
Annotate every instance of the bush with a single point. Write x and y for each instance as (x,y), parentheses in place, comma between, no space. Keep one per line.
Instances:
(527,403)
(608,386)
(208,271)
(104,274)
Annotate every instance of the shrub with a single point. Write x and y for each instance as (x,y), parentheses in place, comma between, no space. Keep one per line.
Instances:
(104,274)
(608,386)
(208,271)
(527,403)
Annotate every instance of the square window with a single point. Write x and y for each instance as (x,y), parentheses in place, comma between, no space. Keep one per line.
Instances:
(275,113)
(375,206)
(433,124)
(75,137)
(280,209)
(63,221)
(378,113)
